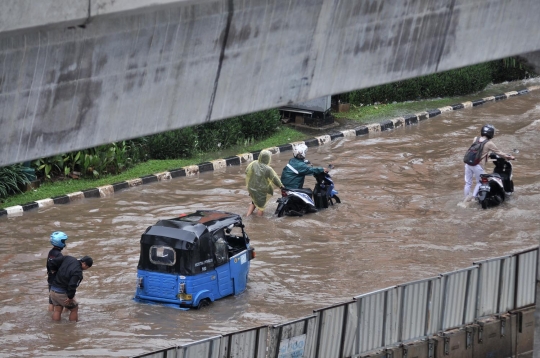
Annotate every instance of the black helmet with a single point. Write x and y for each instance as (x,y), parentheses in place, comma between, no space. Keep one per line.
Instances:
(488,131)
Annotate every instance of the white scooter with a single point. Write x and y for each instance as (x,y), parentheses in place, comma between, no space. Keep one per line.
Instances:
(496,186)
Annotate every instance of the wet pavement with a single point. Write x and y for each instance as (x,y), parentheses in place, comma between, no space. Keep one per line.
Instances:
(400,220)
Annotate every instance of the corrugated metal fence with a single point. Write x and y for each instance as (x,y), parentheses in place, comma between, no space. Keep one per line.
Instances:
(383,318)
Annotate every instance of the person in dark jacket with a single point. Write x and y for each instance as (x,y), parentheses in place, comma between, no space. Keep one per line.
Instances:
(58,241)
(294,173)
(69,274)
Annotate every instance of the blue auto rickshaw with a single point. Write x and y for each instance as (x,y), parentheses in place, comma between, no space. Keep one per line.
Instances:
(194,259)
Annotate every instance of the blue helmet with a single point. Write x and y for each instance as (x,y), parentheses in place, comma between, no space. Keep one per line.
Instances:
(58,239)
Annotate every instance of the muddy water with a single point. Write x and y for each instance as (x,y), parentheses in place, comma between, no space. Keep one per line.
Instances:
(399,221)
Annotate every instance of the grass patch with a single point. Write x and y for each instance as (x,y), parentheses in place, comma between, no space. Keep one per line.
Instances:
(62,187)
(284,136)
(374,113)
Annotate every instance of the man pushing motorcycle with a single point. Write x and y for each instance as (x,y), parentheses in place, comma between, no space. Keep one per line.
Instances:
(486,134)
(295,171)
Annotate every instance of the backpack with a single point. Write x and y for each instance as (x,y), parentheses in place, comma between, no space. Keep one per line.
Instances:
(474,153)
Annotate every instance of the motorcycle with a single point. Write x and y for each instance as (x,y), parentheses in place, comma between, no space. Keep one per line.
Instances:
(297,202)
(496,186)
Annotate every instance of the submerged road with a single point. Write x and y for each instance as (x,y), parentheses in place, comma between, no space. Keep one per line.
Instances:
(400,221)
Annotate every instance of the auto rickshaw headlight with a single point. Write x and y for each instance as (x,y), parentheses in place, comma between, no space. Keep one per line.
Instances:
(182,288)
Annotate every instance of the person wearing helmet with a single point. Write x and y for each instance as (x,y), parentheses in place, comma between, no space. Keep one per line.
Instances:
(295,171)
(486,134)
(64,287)
(259,180)
(58,241)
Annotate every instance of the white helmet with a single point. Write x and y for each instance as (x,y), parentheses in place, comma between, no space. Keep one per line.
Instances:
(299,151)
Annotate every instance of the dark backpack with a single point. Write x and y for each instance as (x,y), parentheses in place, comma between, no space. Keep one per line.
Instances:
(474,153)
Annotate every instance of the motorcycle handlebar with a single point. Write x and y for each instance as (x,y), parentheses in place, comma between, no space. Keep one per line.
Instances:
(495,156)
(330,166)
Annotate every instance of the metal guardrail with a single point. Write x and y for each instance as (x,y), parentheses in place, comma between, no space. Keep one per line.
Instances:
(384,318)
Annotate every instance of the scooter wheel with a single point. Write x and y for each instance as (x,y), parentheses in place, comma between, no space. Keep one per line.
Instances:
(280,211)
(484,204)
(294,213)
(336,198)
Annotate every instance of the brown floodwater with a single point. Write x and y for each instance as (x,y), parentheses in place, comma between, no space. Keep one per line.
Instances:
(400,220)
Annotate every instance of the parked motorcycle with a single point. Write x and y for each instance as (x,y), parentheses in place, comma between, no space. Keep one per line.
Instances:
(496,186)
(297,202)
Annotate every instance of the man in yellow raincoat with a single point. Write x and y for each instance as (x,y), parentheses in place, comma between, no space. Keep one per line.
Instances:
(259,180)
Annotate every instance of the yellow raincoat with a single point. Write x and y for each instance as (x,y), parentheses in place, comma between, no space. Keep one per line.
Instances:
(259,179)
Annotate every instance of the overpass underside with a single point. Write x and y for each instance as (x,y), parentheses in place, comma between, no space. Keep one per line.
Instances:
(79,73)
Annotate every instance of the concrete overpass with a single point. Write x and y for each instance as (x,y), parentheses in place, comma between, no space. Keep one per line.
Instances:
(79,73)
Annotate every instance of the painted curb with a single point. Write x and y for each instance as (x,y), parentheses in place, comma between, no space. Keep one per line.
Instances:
(192,170)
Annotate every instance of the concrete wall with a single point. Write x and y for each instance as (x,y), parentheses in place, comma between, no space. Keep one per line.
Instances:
(509,335)
(30,15)
(19,15)
(134,68)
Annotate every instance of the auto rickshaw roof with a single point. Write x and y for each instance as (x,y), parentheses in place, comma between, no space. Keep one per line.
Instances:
(191,227)
(212,219)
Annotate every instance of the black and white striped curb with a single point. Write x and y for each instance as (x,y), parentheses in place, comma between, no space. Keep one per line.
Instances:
(109,190)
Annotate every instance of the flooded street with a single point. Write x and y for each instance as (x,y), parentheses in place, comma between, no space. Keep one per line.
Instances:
(399,221)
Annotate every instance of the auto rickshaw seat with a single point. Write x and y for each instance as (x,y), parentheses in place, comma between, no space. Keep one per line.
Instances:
(235,244)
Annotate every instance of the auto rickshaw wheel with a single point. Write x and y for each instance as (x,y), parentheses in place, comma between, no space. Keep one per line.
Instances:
(203,303)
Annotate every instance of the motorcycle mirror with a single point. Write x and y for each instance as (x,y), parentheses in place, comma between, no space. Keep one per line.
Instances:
(330,166)
(515,150)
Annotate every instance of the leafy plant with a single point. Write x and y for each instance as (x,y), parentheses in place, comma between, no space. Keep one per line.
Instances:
(49,167)
(180,143)
(136,151)
(12,179)
(103,160)
(445,84)
(73,162)
(260,125)
(510,69)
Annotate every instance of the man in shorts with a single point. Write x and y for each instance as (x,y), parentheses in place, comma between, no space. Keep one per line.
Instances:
(69,274)
(58,241)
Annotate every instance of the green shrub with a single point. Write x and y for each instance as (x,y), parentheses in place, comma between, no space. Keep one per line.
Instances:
(12,179)
(218,135)
(457,82)
(180,143)
(114,158)
(47,168)
(260,125)
(511,69)
(237,130)
(105,159)
(213,136)
(110,158)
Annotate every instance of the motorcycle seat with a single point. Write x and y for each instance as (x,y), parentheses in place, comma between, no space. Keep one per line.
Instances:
(494,175)
(303,190)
